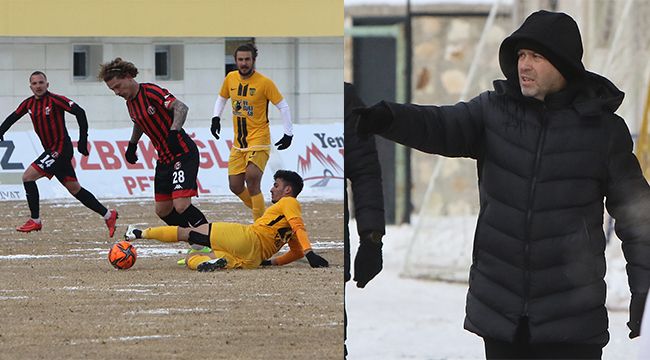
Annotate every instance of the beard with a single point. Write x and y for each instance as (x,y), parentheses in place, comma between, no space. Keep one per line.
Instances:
(245,72)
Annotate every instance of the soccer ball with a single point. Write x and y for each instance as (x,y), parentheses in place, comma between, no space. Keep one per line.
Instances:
(122,255)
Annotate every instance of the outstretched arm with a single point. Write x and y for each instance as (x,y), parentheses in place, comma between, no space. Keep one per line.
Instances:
(295,252)
(9,121)
(454,131)
(299,246)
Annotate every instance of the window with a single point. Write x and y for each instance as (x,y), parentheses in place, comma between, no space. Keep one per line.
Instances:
(80,62)
(162,62)
(231,45)
(85,58)
(168,62)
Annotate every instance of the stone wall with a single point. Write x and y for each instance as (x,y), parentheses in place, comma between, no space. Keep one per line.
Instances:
(444,48)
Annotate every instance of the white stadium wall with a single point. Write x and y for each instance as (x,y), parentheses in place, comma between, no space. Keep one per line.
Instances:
(308,72)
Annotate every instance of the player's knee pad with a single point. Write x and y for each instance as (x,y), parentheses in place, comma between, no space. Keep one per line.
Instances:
(194,217)
(198,238)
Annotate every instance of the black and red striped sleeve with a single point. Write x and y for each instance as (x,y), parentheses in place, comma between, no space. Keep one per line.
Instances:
(24,106)
(62,102)
(159,95)
(15,116)
(73,108)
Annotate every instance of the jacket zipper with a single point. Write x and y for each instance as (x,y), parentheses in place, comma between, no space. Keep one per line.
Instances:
(529,212)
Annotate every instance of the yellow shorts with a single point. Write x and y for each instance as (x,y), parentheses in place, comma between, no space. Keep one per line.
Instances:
(237,243)
(239,160)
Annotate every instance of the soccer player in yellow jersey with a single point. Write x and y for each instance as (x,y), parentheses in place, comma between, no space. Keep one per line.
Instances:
(250,93)
(247,246)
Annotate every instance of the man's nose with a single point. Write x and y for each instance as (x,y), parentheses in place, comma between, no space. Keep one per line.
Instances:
(524,62)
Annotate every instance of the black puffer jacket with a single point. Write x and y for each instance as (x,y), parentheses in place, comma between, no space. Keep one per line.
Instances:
(544,170)
(363,169)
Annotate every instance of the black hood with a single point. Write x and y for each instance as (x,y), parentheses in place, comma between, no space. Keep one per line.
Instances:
(554,32)
(597,94)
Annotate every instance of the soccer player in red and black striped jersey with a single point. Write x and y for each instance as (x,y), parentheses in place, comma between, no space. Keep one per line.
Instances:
(157,113)
(47,111)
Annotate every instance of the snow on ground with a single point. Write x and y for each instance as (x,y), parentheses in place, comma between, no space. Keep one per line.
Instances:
(400,318)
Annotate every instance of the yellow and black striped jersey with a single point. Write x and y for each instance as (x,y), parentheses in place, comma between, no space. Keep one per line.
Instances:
(250,103)
(274,228)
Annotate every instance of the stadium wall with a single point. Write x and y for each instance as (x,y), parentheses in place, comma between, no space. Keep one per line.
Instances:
(307,70)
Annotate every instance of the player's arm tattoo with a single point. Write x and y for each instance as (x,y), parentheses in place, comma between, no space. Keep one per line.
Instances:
(180,114)
(136,134)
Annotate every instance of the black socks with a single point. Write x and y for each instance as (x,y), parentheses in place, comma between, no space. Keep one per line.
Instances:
(194,217)
(89,201)
(174,219)
(31,192)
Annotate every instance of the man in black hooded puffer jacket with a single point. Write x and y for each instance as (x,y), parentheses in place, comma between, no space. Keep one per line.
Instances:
(549,150)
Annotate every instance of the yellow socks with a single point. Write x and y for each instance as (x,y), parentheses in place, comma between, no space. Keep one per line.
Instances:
(161,233)
(245,196)
(254,202)
(195,259)
(258,205)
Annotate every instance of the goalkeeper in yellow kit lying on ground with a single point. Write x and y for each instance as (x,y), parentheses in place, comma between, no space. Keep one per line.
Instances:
(247,246)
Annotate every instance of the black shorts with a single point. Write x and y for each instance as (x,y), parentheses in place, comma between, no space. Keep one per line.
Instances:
(51,163)
(178,178)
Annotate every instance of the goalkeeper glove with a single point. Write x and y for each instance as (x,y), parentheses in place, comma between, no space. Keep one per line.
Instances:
(82,144)
(130,154)
(285,142)
(374,119)
(368,262)
(215,128)
(316,260)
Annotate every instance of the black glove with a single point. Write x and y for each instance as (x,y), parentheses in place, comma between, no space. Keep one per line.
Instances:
(637,304)
(285,142)
(215,128)
(265,263)
(82,144)
(172,142)
(130,155)
(373,120)
(368,262)
(316,260)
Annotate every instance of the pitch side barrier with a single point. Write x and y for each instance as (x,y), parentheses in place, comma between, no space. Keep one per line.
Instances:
(316,154)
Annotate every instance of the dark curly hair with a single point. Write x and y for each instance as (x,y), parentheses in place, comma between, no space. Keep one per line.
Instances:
(117,68)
